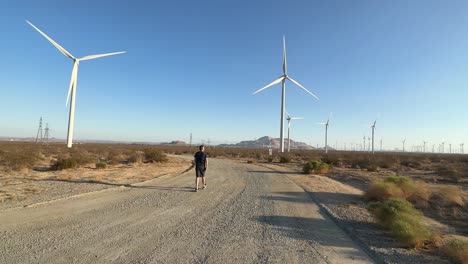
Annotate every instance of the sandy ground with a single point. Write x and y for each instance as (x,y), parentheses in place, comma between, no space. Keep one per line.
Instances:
(35,186)
(248,214)
(345,205)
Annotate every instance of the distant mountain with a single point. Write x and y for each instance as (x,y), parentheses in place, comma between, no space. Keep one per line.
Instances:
(175,143)
(268,141)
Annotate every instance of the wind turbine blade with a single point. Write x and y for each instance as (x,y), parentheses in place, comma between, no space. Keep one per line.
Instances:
(271,84)
(72,81)
(302,87)
(320,123)
(60,48)
(90,57)
(285,66)
(296,118)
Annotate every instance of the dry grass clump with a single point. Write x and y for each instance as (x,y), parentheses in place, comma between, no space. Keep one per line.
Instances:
(449,173)
(402,220)
(449,195)
(136,157)
(399,187)
(316,167)
(457,250)
(19,159)
(154,155)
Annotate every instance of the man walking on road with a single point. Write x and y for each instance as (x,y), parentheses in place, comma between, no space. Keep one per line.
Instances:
(201,164)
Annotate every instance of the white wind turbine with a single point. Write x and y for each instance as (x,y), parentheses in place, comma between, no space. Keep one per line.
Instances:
(404,140)
(326,124)
(74,79)
(282,79)
(289,118)
(373,128)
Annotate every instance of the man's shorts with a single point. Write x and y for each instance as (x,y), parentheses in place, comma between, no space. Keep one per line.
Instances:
(200,171)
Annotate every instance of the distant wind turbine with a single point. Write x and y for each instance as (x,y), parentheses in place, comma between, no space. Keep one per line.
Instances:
(289,118)
(73,80)
(326,124)
(364,140)
(404,140)
(283,79)
(424,146)
(373,128)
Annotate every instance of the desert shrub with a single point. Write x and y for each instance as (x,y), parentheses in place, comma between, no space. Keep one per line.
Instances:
(285,159)
(449,195)
(372,168)
(316,167)
(361,163)
(402,220)
(449,172)
(154,155)
(331,160)
(101,165)
(20,157)
(399,187)
(65,163)
(135,157)
(381,191)
(270,159)
(457,250)
(115,157)
(250,161)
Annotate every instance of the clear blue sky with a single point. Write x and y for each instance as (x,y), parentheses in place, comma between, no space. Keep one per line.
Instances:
(192,66)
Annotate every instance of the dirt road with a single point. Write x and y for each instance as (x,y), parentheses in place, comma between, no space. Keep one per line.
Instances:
(247,214)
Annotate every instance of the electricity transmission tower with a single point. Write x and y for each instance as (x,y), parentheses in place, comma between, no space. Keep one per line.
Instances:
(46,133)
(39,131)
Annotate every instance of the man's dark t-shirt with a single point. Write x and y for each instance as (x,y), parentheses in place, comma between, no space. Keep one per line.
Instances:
(200,158)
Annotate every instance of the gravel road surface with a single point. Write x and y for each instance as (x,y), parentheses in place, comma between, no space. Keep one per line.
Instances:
(246,215)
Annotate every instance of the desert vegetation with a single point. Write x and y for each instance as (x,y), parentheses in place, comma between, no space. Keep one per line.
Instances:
(401,188)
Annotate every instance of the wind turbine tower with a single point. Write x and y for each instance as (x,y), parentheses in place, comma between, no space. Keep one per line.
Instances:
(404,140)
(283,79)
(424,146)
(326,132)
(289,118)
(373,128)
(364,140)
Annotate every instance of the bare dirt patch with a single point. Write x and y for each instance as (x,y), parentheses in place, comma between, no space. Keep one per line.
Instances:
(31,186)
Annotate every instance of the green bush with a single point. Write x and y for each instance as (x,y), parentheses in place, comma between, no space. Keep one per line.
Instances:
(285,159)
(154,155)
(404,222)
(270,159)
(65,163)
(101,165)
(316,167)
